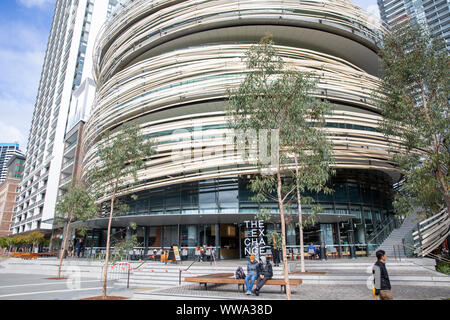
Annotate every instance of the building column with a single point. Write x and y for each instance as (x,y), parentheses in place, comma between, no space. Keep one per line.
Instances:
(239,240)
(339,239)
(217,240)
(146,234)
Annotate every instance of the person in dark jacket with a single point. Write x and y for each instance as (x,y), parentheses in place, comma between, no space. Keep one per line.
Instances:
(275,253)
(78,248)
(265,273)
(252,274)
(381,277)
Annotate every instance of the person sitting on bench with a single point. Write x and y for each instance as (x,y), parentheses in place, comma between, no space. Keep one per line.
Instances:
(252,274)
(264,270)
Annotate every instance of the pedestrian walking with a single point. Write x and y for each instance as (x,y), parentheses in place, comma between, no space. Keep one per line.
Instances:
(265,273)
(252,274)
(381,277)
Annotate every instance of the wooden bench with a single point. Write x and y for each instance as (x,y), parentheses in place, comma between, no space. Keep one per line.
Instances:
(224,278)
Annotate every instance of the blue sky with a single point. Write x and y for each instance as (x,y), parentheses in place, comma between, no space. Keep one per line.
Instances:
(24,29)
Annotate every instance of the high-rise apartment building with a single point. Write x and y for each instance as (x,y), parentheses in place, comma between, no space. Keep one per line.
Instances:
(9,190)
(68,61)
(434,14)
(7,150)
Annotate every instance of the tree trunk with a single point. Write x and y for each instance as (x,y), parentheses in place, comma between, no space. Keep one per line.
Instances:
(105,271)
(63,249)
(444,189)
(283,234)
(300,220)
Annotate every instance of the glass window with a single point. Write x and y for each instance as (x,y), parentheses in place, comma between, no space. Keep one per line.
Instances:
(353,193)
(154,237)
(170,234)
(340,192)
(188,236)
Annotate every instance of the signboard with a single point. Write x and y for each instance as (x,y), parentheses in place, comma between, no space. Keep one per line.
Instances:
(176,252)
(254,238)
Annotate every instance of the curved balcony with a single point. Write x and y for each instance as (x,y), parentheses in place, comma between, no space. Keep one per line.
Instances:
(144,25)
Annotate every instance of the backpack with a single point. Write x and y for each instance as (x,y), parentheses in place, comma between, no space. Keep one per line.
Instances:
(240,274)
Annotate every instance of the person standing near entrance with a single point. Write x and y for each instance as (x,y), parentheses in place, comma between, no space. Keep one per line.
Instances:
(265,273)
(381,277)
(78,247)
(252,274)
(275,253)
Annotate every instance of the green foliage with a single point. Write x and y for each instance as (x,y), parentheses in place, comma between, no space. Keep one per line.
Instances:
(413,100)
(35,238)
(263,215)
(275,238)
(77,204)
(443,267)
(4,242)
(22,240)
(121,155)
(122,248)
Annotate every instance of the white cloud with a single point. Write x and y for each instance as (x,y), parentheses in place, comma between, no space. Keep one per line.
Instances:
(10,134)
(36,3)
(21,57)
(374,15)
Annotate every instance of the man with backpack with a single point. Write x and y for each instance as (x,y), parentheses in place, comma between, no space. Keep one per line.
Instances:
(252,274)
(381,277)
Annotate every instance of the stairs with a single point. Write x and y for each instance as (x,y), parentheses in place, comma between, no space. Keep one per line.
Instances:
(157,275)
(396,237)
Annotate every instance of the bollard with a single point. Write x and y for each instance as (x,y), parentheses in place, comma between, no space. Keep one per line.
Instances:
(128,280)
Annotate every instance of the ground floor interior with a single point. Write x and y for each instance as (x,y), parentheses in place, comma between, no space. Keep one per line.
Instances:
(229,240)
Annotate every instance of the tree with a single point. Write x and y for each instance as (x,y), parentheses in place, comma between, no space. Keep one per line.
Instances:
(35,238)
(4,242)
(77,204)
(275,98)
(414,101)
(120,156)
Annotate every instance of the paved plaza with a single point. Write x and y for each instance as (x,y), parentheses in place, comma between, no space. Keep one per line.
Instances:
(302,292)
(29,280)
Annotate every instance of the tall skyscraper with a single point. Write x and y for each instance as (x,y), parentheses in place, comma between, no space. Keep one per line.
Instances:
(434,14)
(7,150)
(68,61)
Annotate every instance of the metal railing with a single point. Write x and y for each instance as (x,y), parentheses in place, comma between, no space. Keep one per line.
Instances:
(430,233)
(383,230)
(399,248)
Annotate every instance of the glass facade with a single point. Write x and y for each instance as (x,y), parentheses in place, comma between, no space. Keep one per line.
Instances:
(361,199)
(364,194)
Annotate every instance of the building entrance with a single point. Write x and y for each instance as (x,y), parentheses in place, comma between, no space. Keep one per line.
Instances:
(229,241)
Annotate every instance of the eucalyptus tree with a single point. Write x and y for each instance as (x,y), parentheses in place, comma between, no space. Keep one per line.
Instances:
(120,155)
(414,102)
(275,98)
(77,204)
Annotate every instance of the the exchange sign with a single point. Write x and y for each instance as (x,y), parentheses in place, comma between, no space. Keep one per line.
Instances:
(254,238)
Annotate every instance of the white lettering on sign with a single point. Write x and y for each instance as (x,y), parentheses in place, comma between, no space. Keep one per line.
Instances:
(254,238)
